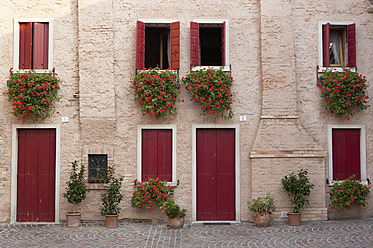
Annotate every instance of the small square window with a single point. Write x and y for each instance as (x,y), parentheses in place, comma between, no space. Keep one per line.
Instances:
(97,167)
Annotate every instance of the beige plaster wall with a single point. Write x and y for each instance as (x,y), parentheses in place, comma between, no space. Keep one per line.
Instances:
(273,55)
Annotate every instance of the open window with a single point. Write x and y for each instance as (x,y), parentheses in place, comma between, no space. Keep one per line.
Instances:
(347,152)
(33,44)
(158,45)
(157,151)
(338,42)
(209,44)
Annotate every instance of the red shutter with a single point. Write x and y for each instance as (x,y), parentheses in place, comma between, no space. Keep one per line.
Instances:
(25,39)
(175,45)
(40,45)
(346,153)
(223,44)
(156,154)
(351,45)
(325,44)
(140,46)
(194,43)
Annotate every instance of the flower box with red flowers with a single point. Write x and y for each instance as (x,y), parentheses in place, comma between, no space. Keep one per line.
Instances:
(32,94)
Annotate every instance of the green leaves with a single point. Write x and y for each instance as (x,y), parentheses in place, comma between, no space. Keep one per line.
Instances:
(112,196)
(297,187)
(32,94)
(172,209)
(212,90)
(342,91)
(76,187)
(262,205)
(345,194)
(157,92)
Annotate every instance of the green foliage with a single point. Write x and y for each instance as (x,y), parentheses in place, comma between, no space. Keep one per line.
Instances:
(32,94)
(297,187)
(344,194)
(150,193)
(112,196)
(172,209)
(157,92)
(76,189)
(212,89)
(262,205)
(342,91)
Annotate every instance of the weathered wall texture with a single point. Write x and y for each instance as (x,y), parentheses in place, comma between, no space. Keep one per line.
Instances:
(273,53)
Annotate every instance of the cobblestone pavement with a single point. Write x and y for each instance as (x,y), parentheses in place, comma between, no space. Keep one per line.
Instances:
(350,233)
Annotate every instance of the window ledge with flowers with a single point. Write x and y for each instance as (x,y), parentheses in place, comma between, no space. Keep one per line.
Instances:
(211,88)
(32,94)
(156,91)
(343,92)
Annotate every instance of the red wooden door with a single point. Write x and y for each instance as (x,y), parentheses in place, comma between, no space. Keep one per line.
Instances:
(36,175)
(216,174)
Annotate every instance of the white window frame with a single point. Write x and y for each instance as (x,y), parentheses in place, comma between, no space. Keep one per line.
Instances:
(16,43)
(332,23)
(139,150)
(217,21)
(363,161)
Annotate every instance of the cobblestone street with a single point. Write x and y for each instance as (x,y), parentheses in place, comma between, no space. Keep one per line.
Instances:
(350,233)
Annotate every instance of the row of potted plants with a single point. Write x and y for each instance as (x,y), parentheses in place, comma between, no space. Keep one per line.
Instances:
(152,193)
(342,195)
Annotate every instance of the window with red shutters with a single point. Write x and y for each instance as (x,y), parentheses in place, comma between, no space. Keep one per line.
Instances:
(208,44)
(158,45)
(346,153)
(33,45)
(156,154)
(338,45)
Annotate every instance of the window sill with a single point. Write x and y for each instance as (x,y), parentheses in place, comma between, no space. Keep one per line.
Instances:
(27,70)
(226,68)
(95,186)
(338,69)
(331,183)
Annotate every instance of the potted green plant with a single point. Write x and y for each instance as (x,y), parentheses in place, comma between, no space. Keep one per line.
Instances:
(76,191)
(111,197)
(297,187)
(348,193)
(176,216)
(262,209)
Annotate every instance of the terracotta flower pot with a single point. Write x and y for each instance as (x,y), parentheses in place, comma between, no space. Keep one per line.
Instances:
(176,222)
(294,219)
(73,219)
(262,220)
(111,221)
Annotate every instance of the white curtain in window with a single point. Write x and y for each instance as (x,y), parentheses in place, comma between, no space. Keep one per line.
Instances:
(335,48)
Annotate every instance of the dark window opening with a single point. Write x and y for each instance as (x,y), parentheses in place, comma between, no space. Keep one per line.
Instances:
(337,46)
(97,168)
(210,46)
(157,47)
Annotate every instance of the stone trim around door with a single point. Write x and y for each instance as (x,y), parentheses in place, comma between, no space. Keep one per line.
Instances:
(13,201)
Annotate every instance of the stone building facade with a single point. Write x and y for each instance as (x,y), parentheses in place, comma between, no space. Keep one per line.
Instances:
(273,49)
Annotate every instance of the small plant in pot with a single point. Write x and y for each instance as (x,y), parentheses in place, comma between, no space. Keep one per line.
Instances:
(76,191)
(111,197)
(297,187)
(262,209)
(176,216)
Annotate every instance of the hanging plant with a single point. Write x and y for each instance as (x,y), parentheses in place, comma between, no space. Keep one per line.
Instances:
(32,94)
(212,89)
(157,92)
(342,91)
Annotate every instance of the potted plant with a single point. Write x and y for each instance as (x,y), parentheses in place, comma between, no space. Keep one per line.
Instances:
(32,94)
(348,192)
(176,216)
(211,88)
(297,187)
(262,209)
(342,91)
(111,198)
(157,91)
(75,193)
